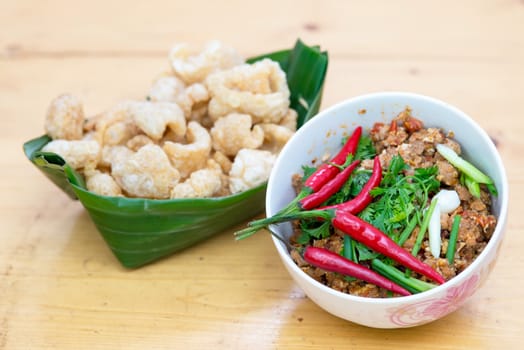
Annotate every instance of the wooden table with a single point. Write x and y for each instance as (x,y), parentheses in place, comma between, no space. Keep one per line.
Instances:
(61,287)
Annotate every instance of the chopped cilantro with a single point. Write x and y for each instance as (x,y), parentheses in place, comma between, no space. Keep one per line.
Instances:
(314,230)
(400,196)
(365,149)
(307,172)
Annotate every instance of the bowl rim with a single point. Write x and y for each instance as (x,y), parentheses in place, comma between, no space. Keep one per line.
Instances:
(496,236)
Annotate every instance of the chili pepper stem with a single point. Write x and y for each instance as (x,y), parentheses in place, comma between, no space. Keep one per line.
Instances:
(310,214)
(247,232)
(292,206)
(257,225)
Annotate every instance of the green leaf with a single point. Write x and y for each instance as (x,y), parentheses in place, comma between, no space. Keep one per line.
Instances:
(351,188)
(139,231)
(400,197)
(50,164)
(364,253)
(396,166)
(303,238)
(365,149)
(307,171)
(316,231)
(428,177)
(358,180)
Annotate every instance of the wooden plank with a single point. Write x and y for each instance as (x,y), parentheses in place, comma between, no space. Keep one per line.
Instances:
(437,30)
(61,287)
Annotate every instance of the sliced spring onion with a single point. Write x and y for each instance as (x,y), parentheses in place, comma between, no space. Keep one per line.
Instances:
(434,230)
(467,168)
(393,274)
(423,228)
(447,201)
(473,186)
(450,253)
(408,230)
(347,250)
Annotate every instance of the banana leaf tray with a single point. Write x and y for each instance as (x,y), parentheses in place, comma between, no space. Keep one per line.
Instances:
(140,231)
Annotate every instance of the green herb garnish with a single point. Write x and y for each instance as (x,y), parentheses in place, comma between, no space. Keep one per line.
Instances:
(401,197)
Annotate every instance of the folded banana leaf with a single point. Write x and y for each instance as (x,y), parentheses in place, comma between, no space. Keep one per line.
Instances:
(140,231)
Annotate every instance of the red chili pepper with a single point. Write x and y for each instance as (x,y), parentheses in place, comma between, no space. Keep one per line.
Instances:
(393,127)
(353,206)
(329,261)
(327,171)
(361,201)
(376,240)
(330,188)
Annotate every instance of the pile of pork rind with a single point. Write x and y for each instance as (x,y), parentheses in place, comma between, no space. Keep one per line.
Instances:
(211,126)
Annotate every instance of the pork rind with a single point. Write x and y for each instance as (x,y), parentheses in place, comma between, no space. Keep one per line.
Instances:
(290,120)
(235,131)
(250,169)
(102,183)
(79,154)
(120,133)
(275,137)
(102,125)
(194,67)
(191,99)
(138,142)
(192,155)
(199,97)
(202,183)
(167,88)
(65,118)
(223,160)
(210,126)
(154,117)
(259,89)
(111,154)
(146,173)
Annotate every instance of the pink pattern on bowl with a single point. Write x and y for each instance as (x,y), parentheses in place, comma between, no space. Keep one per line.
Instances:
(429,310)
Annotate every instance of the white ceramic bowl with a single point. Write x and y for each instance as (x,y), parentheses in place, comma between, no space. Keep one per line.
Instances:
(322,134)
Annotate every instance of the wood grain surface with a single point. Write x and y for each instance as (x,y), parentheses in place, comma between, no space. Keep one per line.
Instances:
(61,287)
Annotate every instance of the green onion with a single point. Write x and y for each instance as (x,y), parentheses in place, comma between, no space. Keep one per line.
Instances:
(412,284)
(407,230)
(349,251)
(450,253)
(473,186)
(466,167)
(423,228)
